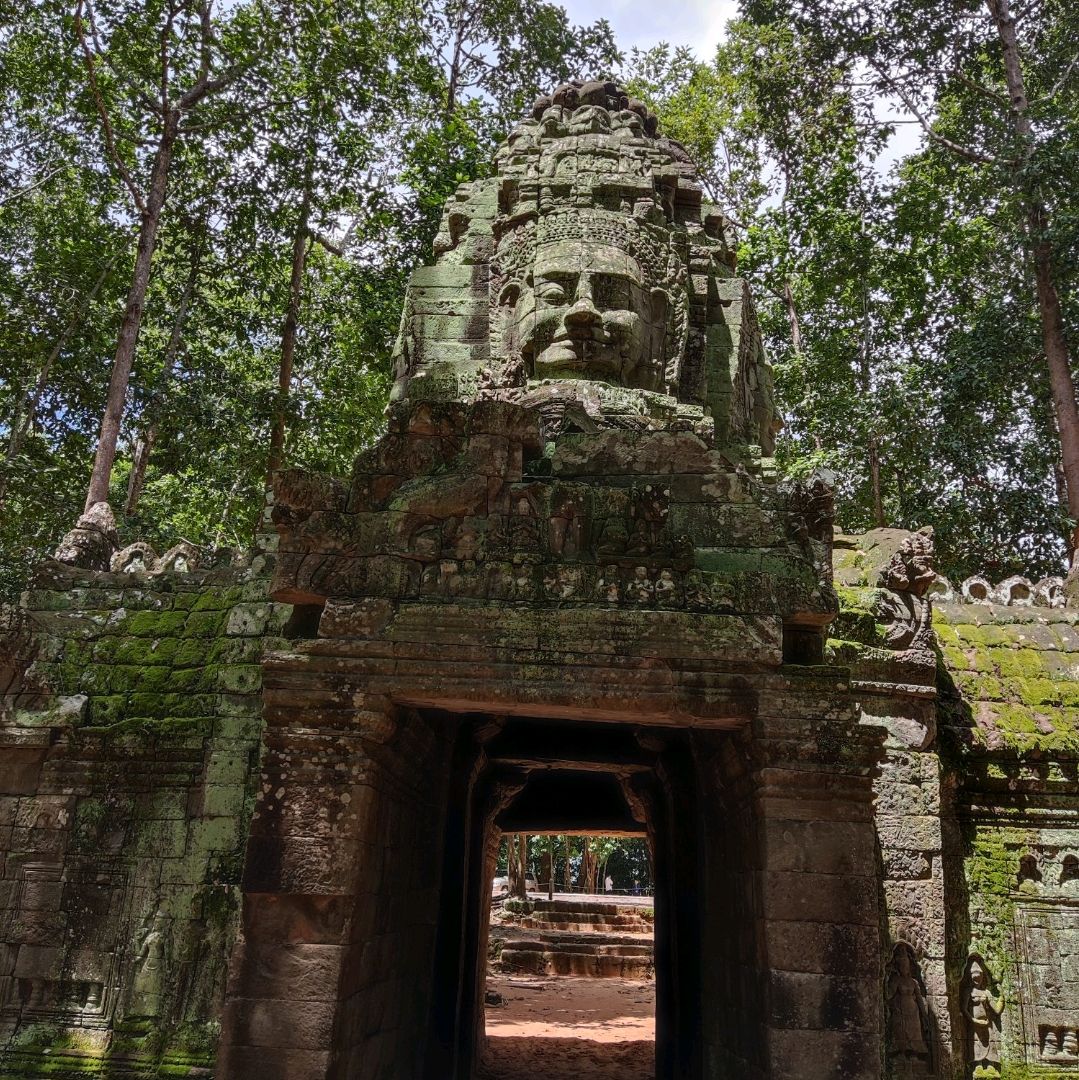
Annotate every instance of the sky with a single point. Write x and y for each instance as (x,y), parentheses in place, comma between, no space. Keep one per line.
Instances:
(700,24)
(696,23)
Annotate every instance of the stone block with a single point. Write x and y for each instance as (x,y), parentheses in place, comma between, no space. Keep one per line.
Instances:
(292,919)
(827,898)
(823,1002)
(20,767)
(841,949)
(38,962)
(274,970)
(823,847)
(254,1063)
(288,1023)
(823,1055)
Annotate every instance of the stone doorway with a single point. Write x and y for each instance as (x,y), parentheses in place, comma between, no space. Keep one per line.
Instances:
(525,774)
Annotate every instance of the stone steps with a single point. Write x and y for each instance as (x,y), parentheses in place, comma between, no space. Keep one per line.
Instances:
(556,955)
(570,915)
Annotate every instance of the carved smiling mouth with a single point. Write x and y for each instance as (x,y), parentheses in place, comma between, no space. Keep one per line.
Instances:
(574,352)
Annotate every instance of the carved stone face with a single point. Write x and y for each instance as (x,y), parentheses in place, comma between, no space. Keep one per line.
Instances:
(589,315)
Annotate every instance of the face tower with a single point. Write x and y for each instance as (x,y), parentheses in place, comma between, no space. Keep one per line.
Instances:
(588,277)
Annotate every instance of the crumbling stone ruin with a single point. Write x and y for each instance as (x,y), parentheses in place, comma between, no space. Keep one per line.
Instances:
(249,812)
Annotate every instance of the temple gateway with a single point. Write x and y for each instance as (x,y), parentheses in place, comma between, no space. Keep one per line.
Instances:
(249,809)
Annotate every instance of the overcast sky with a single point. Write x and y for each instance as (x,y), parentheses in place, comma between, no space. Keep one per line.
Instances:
(697,23)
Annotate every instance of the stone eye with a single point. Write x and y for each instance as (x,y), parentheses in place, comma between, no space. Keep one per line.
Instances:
(551,292)
(610,292)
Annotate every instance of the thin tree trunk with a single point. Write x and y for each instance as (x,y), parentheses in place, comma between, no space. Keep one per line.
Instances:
(219,535)
(872,446)
(26,410)
(1054,342)
(874,481)
(147,439)
(98,490)
(792,317)
(289,329)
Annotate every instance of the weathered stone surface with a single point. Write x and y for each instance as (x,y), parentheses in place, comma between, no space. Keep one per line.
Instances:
(262,799)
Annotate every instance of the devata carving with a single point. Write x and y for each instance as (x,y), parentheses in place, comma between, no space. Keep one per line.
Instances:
(148,982)
(588,280)
(907,1019)
(982,1009)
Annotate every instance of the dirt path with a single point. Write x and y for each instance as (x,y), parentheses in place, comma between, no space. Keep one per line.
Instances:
(566,1028)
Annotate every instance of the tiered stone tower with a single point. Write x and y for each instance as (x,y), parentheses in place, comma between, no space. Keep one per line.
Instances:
(248,813)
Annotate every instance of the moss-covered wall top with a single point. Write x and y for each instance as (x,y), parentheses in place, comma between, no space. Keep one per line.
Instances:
(1009,679)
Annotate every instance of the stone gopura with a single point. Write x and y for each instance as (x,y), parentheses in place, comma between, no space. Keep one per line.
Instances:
(565,590)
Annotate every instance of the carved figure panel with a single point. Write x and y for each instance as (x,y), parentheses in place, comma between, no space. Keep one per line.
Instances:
(1047,959)
(909,1045)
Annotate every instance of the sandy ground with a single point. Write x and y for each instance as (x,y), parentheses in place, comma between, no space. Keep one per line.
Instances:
(565,1028)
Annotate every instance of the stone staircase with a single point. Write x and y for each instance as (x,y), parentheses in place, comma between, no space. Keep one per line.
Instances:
(578,937)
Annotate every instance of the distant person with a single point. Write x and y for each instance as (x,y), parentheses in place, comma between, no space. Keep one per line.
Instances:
(636,887)
(608,884)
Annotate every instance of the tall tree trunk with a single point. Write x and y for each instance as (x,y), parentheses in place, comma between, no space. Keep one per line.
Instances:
(147,439)
(879,520)
(26,410)
(792,317)
(300,243)
(515,865)
(98,490)
(865,379)
(1054,342)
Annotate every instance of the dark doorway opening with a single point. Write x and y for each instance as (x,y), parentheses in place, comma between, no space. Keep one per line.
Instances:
(521,775)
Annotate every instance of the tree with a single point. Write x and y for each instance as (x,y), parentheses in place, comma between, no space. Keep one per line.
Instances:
(162,91)
(889,303)
(996,95)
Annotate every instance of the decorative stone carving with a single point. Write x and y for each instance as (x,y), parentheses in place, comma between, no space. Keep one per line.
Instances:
(902,605)
(91,543)
(181,558)
(136,558)
(1049,592)
(982,1009)
(148,976)
(941,591)
(1015,591)
(908,1026)
(595,285)
(976,590)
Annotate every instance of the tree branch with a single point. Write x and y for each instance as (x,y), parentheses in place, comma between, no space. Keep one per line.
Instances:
(26,190)
(326,242)
(103,113)
(927,126)
(1060,83)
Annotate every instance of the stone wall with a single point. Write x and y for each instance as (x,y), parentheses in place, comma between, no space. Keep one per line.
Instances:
(1009,680)
(129,742)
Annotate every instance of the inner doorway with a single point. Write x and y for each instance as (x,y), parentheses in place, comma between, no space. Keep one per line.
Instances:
(521,775)
(570,981)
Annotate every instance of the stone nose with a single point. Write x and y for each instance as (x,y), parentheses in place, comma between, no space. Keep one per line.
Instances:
(583,314)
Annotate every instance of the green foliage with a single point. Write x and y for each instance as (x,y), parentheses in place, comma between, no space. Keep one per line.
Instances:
(359,117)
(895,302)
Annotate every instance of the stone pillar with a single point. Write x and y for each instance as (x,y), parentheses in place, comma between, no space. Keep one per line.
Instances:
(817,882)
(313,867)
(908,817)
